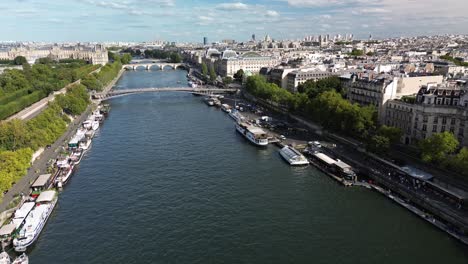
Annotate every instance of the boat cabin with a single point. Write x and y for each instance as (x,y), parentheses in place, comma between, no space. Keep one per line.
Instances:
(345,171)
(46,197)
(42,183)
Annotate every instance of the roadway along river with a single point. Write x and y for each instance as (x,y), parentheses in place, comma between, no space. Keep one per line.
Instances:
(168,180)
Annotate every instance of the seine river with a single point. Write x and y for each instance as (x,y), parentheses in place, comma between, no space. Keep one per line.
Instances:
(168,180)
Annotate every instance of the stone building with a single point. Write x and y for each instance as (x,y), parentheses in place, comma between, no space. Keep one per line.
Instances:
(435,109)
(95,54)
(250,61)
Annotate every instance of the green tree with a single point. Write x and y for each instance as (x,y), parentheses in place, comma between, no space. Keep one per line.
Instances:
(379,144)
(175,57)
(92,83)
(436,147)
(227,80)
(20,60)
(212,74)
(126,58)
(392,133)
(239,75)
(356,52)
(204,69)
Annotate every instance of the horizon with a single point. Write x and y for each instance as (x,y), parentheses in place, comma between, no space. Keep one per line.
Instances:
(175,21)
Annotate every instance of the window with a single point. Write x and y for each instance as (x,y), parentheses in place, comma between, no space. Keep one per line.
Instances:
(444,120)
(452,130)
(425,119)
(424,128)
(460,132)
(436,120)
(447,101)
(442,129)
(434,128)
(452,122)
(439,101)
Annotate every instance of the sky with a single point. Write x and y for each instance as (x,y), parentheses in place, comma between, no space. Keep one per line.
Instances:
(191,20)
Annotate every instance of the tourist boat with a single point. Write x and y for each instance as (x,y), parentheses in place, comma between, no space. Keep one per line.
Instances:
(254,134)
(236,115)
(21,259)
(35,221)
(293,156)
(4,258)
(336,169)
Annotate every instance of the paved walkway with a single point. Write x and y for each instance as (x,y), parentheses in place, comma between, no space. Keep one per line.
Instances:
(40,164)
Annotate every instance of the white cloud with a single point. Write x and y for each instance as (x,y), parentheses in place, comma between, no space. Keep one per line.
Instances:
(232,6)
(205,18)
(271,13)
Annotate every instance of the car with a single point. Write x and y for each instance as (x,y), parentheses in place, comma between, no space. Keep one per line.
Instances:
(282,137)
(48,146)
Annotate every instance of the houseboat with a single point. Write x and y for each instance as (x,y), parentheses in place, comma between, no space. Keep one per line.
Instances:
(254,134)
(336,169)
(226,108)
(35,221)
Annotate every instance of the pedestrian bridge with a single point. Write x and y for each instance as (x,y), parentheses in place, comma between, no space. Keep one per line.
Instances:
(197,91)
(157,65)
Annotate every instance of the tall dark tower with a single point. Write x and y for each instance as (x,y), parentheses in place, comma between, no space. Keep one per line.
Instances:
(253,37)
(205,41)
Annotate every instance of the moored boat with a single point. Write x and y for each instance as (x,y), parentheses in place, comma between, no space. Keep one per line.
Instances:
(293,156)
(95,125)
(21,259)
(236,115)
(254,134)
(35,221)
(226,108)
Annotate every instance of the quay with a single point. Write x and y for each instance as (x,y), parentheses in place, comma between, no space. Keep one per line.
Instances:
(438,205)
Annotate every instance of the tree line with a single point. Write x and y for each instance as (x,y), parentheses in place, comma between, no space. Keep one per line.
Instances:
(21,88)
(19,139)
(97,81)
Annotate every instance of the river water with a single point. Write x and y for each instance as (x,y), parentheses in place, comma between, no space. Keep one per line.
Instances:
(168,180)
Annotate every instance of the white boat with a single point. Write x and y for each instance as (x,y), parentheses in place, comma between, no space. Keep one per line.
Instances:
(293,157)
(35,221)
(21,259)
(80,134)
(21,213)
(95,125)
(209,101)
(236,115)
(4,258)
(84,145)
(64,176)
(87,124)
(226,108)
(254,134)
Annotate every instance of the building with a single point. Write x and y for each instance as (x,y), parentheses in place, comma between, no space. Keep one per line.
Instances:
(377,89)
(95,54)
(297,77)
(435,109)
(205,41)
(249,61)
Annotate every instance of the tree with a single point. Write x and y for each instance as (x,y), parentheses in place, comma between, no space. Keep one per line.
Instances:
(204,69)
(126,58)
(91,82)
(175,57)
(212,74)
(239,75)
(392,133)
(20,60)
(379,144)
(356,52)
(227,80)
(436,147)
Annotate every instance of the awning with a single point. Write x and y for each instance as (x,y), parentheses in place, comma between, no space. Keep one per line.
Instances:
(7,229)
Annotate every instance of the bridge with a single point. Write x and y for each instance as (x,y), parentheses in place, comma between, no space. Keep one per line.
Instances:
(149,65)
(197,91)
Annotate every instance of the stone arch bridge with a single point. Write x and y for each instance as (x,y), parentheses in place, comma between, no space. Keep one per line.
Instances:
(159,65)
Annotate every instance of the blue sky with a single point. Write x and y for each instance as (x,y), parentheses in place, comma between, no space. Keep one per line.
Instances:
(190,20)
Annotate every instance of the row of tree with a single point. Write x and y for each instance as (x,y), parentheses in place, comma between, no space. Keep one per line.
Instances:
(21,88)
(321,101)
(97,81)
(19,139)
(457,61)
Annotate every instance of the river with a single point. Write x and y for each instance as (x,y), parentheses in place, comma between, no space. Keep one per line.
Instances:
(168,180)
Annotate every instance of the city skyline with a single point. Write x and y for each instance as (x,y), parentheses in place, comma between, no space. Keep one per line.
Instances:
(174,20)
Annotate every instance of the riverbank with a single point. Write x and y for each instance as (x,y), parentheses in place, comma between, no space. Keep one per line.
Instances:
(448,215)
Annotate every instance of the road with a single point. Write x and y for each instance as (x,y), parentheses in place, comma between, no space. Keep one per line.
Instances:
(40,165)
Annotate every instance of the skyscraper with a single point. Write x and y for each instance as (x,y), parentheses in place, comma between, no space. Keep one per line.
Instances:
(253,37)
(205,41)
